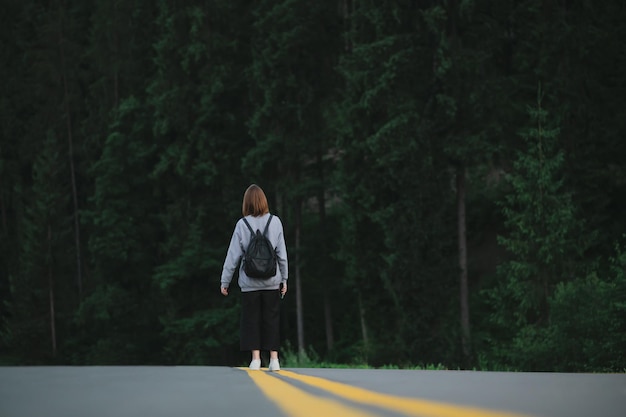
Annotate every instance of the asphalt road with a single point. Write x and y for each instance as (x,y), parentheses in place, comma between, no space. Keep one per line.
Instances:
(221,391)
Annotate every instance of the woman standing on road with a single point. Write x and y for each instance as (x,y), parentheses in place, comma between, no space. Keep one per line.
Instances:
(260,298)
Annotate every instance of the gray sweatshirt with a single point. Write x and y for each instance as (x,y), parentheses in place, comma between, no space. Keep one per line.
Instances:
(238,244)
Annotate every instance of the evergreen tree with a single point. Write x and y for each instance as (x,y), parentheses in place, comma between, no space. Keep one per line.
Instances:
(11,126)
(44,101)
(123,244)
(39,301)
(291,81)
(588,323)
(397,233)
(543,239)
(466,110)
(200,138)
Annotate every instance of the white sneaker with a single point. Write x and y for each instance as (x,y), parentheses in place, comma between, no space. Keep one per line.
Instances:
(274,365)
(255,365)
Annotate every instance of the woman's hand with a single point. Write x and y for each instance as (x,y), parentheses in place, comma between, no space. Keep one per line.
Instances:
(283,289)
(224,291)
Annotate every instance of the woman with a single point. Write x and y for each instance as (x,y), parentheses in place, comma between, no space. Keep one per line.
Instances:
(260,299)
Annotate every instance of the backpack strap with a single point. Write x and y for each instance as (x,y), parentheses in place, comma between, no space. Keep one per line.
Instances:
(267,225)
(248,224)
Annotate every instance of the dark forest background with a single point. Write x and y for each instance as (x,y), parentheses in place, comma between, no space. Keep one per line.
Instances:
(450,174)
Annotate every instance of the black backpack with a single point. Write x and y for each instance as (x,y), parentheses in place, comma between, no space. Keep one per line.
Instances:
(259,260)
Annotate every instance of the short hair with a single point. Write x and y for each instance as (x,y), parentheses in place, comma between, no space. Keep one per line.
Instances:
(254,202)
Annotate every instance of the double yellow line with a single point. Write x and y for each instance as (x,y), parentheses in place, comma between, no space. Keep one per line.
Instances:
(298,403)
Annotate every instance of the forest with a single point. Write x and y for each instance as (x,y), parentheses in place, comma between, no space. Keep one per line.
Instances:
(450,175)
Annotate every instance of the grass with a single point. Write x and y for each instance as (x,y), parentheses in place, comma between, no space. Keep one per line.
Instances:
(294,359)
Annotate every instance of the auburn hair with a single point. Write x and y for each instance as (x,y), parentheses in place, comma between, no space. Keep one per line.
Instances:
(254,202)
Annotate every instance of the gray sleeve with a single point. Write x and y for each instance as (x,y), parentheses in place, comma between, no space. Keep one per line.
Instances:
(233,257)
(281,252)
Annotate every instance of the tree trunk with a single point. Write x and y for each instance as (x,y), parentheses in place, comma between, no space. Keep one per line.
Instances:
(68,122)
(116,43)
(363,328)
(51,295)
(464,293)
(347,10)
(326,279)
(299,309)
(328,321)
(4,216)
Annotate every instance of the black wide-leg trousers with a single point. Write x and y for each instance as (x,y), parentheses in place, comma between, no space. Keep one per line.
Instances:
(260,320)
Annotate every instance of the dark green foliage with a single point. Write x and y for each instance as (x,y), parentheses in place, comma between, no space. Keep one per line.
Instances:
(539,299)
(130,130)
(544,235)
(40,291)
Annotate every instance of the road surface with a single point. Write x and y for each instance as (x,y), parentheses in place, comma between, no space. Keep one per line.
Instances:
(221,391)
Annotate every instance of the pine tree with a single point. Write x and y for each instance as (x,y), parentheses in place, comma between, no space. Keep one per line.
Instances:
(123,244)
(291,82)
(37,290)
(198,100)
(543,236)
(12,101)
(394,182)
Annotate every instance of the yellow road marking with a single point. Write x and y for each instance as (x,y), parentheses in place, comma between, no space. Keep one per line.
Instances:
(409,406)
(297,403)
